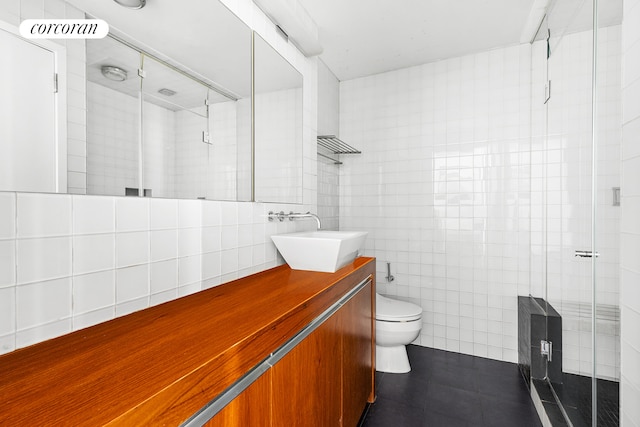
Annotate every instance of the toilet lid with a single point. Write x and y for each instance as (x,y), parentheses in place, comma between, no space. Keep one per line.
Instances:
(392,310)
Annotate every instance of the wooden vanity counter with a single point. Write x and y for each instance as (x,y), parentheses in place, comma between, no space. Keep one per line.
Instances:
(160,365)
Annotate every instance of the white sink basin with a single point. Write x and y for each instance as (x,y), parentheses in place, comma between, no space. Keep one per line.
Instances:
(325,251)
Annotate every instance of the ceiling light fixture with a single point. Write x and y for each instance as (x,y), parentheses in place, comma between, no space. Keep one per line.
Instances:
(166,92)
(114,73)
(293,20)
(132,4)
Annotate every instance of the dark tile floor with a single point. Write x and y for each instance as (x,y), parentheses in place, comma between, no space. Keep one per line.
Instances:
(447,389)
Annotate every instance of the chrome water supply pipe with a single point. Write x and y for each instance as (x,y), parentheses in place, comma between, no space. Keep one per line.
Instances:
(390,278)
(280,216)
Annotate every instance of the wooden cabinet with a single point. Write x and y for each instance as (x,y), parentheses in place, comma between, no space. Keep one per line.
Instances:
(358,374)
(327,379)
(251,408)
(223,336)
(307,381)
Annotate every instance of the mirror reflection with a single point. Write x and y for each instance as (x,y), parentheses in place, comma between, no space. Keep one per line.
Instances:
(32,158)
(181,131)
(277,126)
(113,118)
(158,129)
(154,113)
(192,100)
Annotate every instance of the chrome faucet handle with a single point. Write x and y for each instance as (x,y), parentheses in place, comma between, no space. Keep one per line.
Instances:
(280,216)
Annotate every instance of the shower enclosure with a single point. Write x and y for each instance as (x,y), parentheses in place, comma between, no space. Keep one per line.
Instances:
(575,180)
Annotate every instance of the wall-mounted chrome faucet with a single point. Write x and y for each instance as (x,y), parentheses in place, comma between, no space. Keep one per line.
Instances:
(280,216)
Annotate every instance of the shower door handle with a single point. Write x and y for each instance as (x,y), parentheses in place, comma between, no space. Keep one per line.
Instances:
(586,254)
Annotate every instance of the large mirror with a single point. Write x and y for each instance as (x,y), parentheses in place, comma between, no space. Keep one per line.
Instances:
(162,107)
(277,126)
(168,105)
(193,98)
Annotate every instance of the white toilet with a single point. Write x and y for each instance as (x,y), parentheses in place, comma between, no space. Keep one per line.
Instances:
(398,323)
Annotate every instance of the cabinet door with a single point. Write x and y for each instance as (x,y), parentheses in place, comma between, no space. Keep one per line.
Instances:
(307,381)
(357,375)
(252,407)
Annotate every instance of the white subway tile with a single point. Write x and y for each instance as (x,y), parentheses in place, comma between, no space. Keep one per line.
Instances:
(7,263)
(93,291)
(211,239)
(189,270)
(211,213)
(132,283)
(211,265)
(7,311)
(44,332)
(189,289)
(245,257)
(132,248)
(93,215)
(229,261)
(189,241)
(245,213)
(190,213)
(7,342)
(162,297)
(7,215)
(229,213)
(93,253)
(132,214)
(163,214)
(43,215)
(164,276)
(43,259)
(92,318)
(42,303)
(164,244)
(128,307)
(245,235)
(229,236)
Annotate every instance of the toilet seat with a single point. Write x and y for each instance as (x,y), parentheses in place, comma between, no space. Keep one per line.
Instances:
(390,310)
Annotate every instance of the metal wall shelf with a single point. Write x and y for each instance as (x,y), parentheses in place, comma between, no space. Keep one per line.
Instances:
(335,146)
(331,143)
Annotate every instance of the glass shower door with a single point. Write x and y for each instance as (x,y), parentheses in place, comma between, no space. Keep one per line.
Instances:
(580,151)
(569,210)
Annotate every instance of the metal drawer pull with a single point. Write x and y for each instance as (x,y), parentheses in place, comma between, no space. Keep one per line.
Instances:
(586,254)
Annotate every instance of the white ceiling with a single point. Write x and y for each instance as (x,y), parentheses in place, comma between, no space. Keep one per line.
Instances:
(364,37)
(188,37)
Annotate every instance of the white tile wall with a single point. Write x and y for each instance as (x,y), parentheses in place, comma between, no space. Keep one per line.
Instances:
(328,194)
(69,282)
(453,190)
(442,187)
(93,291)
(93,253)
(630,231)
(176,161)
(93,215)
(328,124)
(276,115)
(192,155)
(112,151)
(68,262)
(43,215)
(43,259)
(224,159)
(158,135)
